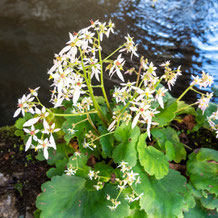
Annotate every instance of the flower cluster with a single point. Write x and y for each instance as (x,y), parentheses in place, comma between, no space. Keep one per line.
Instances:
(127,180)
(141,97)
(203,102)
(39,138)
(71,170)
(204,81)
(212,120)
(170,76)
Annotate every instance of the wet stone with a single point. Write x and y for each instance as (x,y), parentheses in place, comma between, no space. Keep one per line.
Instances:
(7,206)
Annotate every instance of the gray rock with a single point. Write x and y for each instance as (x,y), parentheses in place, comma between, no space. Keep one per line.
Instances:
(3,180)
(7,206)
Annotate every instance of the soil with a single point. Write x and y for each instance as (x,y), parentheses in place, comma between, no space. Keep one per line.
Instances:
(25,173)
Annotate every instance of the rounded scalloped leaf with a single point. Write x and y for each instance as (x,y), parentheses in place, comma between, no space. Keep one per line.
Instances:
(164,198)
(167,114)
(126,150)
(202,168)
(166,135)
(154,161)
(66,197)
(199,212)
(211,202)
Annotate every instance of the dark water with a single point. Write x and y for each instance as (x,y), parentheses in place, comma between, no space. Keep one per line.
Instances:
(184,32)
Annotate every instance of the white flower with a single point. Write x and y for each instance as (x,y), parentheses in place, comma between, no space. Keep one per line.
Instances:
(130,46)
(96,70)
(71,48)
(111,27)
(117,67)
(71,131)
(24,105)
(102,29)
(205,80)
(159,96)
(91,174)
(44,144)
(70,171)
(131,177)
(140,111)
(122,164)
(34,91)
(166,64)
(87,145)
(147,93)
(97,187)
(49,130)
(32,133)
(42,114)
(203,102)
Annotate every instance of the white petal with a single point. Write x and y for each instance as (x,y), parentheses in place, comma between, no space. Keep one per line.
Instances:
(52,141)
(119,74)
(45,152)
(135,120)
(111,125)
(76,96)
(35,138)
(31,121)
(29,142)
(45,124)
(26,130)
(65,49)
(17,112)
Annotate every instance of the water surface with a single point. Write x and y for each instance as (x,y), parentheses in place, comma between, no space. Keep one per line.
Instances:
(184,32)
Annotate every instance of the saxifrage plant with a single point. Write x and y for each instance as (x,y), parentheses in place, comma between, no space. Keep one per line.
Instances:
(112,158)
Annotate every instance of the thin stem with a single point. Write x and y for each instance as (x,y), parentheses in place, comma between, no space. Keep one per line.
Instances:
(102,136)
(181,109)
(74,115)
(99,86)
(138,75)
(81,121)
(113,52)
(180,97)
(201,93)
(96,105)
(102,77)
(92,124)
(188,147)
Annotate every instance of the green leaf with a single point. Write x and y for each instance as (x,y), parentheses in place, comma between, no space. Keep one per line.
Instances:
(169,134)
(170,150)
(126,150)
(203,171)
(81,163)
(187,109)
(164,198)
(19,122)
(61,152)
(199,212)
(167,114)
(210,202)
(80,129)
(137,214)
(107,143)
(207,154)
(154,161)
(59,170)
(66,197)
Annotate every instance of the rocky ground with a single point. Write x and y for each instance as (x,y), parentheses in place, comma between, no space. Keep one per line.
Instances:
(21,176)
